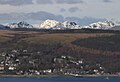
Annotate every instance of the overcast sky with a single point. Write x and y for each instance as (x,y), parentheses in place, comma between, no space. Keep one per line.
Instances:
(78,8)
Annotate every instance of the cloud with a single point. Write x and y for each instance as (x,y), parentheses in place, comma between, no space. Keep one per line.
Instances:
(26,2)
(31,16)
(15,2)
(69,1)
(41,16)
(73,9)
(107,1)
(44,1)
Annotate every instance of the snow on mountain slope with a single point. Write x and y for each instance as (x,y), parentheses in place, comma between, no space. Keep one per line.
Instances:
(70,25)
(4,27)
(20,25)
(52,24)
(101,25)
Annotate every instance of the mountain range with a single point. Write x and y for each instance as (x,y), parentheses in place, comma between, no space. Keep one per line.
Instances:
(54,24)
(101,25)
(19,25)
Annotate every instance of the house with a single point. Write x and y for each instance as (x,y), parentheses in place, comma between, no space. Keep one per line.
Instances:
(12,68)
(47,71)
(2,67)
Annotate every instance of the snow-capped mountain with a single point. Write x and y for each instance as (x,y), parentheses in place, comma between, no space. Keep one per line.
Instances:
(52,24)
(101,25)
(4,27)
(20,25)
(70,25)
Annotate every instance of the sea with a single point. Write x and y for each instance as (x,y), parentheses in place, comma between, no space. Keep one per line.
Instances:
(61,79)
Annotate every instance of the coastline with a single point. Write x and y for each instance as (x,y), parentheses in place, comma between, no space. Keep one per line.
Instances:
(50,76)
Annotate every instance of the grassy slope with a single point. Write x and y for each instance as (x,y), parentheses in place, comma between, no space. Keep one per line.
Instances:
(5,35)
(13,39)
(62,38)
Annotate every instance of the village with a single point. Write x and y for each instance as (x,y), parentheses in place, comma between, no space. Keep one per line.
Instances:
(19,63)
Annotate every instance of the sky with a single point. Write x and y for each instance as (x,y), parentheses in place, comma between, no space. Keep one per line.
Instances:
(108,9)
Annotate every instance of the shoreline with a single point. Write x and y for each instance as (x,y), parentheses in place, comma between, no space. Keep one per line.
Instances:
(50,76)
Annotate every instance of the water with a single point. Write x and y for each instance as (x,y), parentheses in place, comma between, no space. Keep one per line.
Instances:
(61,79)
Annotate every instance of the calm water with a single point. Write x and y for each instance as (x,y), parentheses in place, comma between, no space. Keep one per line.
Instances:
(60,79)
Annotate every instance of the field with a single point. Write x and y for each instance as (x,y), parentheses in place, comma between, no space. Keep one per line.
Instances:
(5,35)
(93,47)
(21,38)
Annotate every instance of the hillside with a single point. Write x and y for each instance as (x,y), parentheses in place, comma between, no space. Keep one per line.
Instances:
(60,51)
